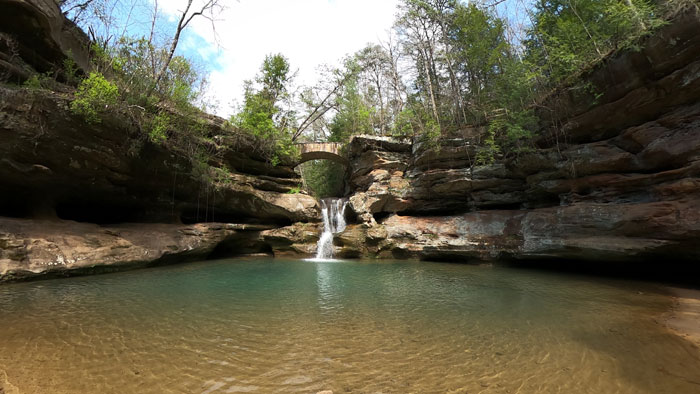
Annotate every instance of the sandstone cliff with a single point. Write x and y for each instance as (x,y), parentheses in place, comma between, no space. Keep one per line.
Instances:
(66,183)
(616,179)
(616,176)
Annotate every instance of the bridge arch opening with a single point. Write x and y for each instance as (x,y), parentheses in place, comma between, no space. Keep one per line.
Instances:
(324,169)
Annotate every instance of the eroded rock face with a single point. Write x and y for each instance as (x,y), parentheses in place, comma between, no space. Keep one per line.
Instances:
(35,33)
(635,87)
(58,173)
(33,248)
(625,186)
(51,160)
(585,231)
(298,240)
(378,166)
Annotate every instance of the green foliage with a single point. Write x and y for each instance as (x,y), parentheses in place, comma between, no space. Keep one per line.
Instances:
(294,190)
(568,35)
(353,117)
(511,132)
(480,51)
(263,114)
(181,83)
(131,63)
(405,124)
(257,115)
(40,81)
(158,129)
(274,77)
(431,135)
(70,69)
(94,96)
(488,150)
(221,176)
(467,71)
(324,178)
(33,83)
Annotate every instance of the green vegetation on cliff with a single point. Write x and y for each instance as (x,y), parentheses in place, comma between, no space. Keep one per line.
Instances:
(448,69)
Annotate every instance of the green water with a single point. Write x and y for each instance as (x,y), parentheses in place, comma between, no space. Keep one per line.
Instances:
(268,326)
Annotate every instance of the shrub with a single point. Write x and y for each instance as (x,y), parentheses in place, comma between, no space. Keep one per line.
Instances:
(489,149)
(70,69)
(95,94)
(39,81)
(158,129)
(33,83)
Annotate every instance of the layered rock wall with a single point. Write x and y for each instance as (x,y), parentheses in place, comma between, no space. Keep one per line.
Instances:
(618,178)
(67,187)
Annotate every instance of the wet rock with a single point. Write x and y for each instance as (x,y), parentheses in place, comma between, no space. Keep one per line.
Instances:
(361,241)
(34,248)
(298,240)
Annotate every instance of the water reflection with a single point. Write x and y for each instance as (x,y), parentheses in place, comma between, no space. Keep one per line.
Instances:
(328,297)
(293,326)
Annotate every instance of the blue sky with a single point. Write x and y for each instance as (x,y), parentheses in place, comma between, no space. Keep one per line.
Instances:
(309,33)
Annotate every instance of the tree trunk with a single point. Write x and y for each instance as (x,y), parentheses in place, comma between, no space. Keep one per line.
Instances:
(430,87)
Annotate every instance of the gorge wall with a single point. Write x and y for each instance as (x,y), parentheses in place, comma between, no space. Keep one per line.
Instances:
(615,180)
(78,197)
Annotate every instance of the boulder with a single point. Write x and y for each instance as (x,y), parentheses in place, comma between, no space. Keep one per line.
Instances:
(297,240)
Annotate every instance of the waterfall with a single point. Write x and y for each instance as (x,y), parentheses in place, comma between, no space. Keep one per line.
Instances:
(333,214)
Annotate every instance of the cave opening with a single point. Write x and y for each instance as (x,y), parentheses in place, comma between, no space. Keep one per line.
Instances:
(98,212)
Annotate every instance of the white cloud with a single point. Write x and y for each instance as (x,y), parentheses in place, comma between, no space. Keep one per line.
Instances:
(308,32)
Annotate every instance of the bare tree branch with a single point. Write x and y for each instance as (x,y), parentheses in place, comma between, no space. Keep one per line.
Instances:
(319,109)
(210,6)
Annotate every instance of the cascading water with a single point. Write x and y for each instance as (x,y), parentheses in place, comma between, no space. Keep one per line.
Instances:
(333,214)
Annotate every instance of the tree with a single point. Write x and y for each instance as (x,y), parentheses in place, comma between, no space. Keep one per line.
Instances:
(480,53)
(147,64)
(266,112)
(321,99)
(353,115)
(567,35)
(208,10)
(420,35)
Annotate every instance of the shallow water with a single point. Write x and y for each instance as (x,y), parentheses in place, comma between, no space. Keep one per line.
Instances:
(268,326)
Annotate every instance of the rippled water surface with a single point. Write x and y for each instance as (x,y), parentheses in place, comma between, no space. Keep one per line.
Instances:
(265,326)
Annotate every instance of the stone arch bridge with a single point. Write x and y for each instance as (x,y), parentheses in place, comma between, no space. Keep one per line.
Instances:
(322,151)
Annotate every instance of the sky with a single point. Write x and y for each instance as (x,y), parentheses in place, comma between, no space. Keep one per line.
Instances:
(308,32)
